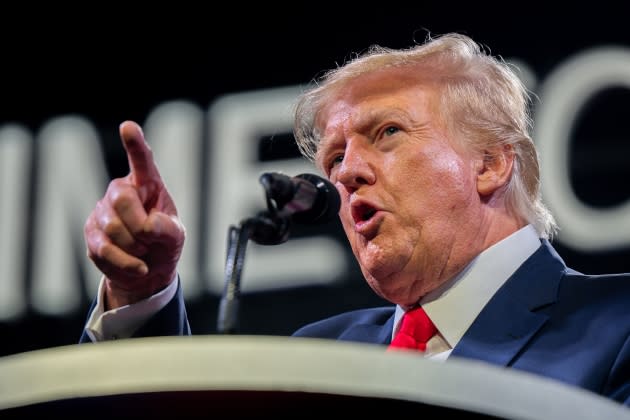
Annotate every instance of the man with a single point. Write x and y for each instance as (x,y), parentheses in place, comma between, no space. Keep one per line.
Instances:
(429,148)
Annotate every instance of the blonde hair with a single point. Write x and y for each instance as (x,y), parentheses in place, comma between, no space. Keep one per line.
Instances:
(482,96)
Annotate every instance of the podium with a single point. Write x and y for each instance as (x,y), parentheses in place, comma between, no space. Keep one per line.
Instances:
(236,376)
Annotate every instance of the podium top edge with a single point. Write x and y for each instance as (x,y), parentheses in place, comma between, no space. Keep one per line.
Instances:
(288,364)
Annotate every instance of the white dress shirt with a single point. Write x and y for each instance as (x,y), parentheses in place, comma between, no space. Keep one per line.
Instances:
(454,306)
(124,321)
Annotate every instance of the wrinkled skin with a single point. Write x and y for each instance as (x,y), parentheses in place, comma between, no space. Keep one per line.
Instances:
(416,208)
(133,235)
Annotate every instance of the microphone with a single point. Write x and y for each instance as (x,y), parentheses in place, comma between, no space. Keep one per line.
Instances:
(305,198)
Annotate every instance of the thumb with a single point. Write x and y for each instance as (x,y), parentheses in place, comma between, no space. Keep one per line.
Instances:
(163,228)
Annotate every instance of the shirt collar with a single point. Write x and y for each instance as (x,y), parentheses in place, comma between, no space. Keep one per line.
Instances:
(471,289)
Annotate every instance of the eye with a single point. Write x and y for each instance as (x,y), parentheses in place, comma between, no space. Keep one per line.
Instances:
(335,160)
(391,130)
(332,163)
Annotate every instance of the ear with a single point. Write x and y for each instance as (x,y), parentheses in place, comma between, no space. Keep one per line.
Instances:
(495,169)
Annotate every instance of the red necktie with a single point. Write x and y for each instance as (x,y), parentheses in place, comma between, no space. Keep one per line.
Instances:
(415,330)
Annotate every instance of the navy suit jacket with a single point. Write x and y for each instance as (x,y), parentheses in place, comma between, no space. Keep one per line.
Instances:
(546,319)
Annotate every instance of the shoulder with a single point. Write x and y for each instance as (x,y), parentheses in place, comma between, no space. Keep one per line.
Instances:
(371,319)
(611,289)
(547,271)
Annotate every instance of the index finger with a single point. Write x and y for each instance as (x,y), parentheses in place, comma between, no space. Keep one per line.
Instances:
(139,155)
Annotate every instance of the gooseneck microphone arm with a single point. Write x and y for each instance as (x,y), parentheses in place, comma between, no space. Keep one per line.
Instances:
(267,227)
(306,198)
(229,305)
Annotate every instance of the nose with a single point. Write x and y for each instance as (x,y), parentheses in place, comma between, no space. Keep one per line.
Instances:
(356,168)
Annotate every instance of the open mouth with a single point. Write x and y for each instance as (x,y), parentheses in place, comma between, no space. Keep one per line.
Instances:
(362,213)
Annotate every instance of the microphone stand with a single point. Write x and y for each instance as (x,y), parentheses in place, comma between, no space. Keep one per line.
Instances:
(267,228)
(228,307)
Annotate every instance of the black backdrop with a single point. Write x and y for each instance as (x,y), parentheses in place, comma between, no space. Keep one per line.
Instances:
(118,64)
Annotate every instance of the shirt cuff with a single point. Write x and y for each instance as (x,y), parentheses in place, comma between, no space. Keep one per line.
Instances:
(124,321)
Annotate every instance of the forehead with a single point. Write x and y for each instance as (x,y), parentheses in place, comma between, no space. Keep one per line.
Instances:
(404,89)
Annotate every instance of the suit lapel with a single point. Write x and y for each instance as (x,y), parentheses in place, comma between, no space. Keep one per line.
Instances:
(510,319)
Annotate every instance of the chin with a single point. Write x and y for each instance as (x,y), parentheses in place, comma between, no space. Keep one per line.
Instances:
(393,289)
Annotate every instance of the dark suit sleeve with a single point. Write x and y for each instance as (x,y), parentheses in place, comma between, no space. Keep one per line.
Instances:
(170,320)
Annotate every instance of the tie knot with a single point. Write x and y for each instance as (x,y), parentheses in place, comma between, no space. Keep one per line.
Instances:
(415,330)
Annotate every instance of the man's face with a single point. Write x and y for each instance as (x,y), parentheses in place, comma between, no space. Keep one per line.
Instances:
(409,201)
